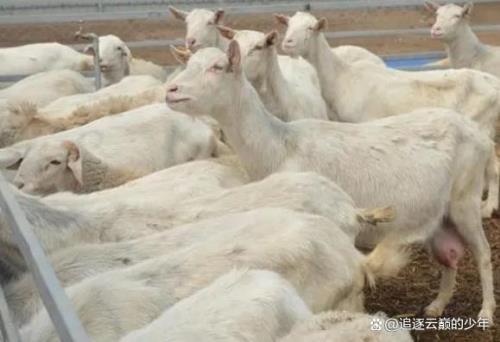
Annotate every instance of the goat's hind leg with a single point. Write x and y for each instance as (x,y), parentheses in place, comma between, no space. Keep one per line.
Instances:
(446,289)
(465,213)
(492,175)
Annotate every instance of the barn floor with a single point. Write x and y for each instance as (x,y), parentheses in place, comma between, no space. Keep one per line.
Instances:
(418,284)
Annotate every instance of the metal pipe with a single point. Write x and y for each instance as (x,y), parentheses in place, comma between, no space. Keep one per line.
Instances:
(67,325)
(7,326)
(94,38)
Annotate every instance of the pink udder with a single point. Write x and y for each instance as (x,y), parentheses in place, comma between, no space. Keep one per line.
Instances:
(447,247)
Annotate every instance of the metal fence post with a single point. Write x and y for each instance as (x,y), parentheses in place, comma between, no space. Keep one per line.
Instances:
(9,329)
(66,322)
(97,66)
(95,45)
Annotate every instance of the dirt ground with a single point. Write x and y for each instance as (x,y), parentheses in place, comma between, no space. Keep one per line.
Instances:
(418,284)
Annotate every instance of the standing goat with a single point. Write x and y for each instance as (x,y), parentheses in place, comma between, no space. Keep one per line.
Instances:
(463,47)
(201,32)
(430,163)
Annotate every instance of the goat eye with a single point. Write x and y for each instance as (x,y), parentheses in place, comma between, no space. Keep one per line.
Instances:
(258,47)
(217,67)
(55,162)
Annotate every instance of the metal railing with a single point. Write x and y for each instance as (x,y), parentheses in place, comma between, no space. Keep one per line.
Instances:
(23,11)
(66,322)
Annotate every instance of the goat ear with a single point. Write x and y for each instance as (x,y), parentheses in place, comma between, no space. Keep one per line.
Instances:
(74,161)
(282,19)
(219,16)
(127,52)
(89,50)
(271,38)
(431,6)
(181,55)
(320,25)
(226,32)
(177,13)
(467,10)
(234,56)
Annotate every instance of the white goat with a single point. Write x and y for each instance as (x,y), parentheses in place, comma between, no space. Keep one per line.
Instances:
(429,163)
(44,87)
(111,151)
(346,327)
(309,251)
(128,212)
(462,45)
(116,61)
(34,58)
(201,32)
(26,121)
(382,92)
(290,95)
(242,305)
(75,263)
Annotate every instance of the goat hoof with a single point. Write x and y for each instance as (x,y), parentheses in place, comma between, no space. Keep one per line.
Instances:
(433,310)
(487,315)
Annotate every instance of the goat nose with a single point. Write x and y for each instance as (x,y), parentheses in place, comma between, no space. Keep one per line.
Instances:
(172,88)
(190,42)
(19,185)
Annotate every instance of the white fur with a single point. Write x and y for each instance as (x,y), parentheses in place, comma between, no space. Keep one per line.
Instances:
(116,62)
(429,163)
(113,150)
(44,87)
(309,251)
(354,54)
(34,58)
(241,305)
(25,120)
(287,91)
(201,29)
(150,206)
(360,92)
(74,264)
(463,47)
(129,86)
(346,327)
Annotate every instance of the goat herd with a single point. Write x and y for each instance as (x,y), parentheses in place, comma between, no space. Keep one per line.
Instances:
(234,212)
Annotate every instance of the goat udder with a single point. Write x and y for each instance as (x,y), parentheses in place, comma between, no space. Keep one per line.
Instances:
(447,247)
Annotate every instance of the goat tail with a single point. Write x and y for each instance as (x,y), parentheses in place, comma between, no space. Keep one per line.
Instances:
(375,216)
(385,261)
